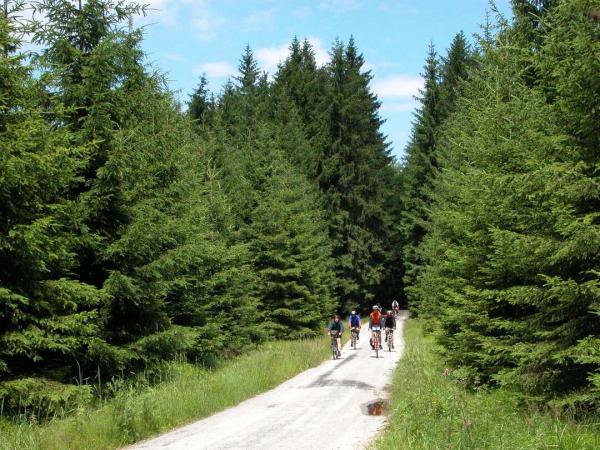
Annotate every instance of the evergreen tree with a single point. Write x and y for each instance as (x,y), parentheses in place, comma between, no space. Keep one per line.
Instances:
(300,82)
(454,73)
(289,241)
(47,316)
(249,73)
(510,281)
(201,104)
(418,171)
(351,176)
(443,87)
(93,68)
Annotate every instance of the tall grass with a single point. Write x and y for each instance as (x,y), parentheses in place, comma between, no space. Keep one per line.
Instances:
(190,393)
(430,410)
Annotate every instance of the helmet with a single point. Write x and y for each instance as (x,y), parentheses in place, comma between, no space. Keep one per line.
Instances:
(353,311)
(390,311)
(376,307)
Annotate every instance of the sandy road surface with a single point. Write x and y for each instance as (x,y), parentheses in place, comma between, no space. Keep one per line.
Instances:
(321,408)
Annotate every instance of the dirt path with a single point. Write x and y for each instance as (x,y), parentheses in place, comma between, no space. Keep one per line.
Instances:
(321,408)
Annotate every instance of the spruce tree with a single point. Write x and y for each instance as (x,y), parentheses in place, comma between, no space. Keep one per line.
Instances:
(454,72)
(201,104)
(47,316)
(302,83)
(418,171)
(290,244)
(351,176)
(510,279)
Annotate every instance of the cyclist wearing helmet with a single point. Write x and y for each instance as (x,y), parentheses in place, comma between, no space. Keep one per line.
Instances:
(374,321)
(354,322)
(336,325)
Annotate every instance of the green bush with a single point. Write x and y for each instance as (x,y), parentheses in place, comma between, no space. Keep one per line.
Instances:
(40,399)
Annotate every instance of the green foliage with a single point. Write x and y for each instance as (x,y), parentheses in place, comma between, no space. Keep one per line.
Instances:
(289,241)
(38,398)
(351,174)
(133,233)
(443,87)
(509,267)
(187,392)
(430,408)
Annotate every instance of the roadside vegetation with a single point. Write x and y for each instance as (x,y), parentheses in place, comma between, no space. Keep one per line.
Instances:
(431,408)
(184,393)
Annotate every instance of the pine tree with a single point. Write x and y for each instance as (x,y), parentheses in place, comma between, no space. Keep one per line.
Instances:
(443,87)
(418,170)
(249,73)
(454,73)
(510,283)
(351,176)
(47,317)
(93,67)
(289,241)
(201,104)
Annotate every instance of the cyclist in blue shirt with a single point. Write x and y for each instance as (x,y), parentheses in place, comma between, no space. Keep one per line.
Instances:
(336,325)
(354,321)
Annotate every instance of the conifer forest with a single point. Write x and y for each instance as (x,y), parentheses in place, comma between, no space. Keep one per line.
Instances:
(135,228)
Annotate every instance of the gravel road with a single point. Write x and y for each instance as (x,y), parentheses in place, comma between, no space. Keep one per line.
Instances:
(322,408)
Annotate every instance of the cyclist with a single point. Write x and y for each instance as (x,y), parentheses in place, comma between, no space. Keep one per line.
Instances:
(396,307)
(374,320)
(389,323)
(336,325)
(354,322)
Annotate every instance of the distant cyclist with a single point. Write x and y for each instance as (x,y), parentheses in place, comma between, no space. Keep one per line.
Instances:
(336,325)
(354,322)
(396,307)
(389,323)
(374,321)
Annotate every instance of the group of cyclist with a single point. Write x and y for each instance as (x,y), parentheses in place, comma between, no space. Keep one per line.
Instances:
(377,319)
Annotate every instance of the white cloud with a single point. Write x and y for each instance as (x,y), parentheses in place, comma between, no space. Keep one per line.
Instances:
(162,11)
(398,86)
(270,57)
(216,69)
(196,15)
(397,7)
(207,27)
(321,54)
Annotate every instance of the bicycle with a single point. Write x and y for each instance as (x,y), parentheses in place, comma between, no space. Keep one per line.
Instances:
(334,344)
(389,338)
(376,339)
(354,337)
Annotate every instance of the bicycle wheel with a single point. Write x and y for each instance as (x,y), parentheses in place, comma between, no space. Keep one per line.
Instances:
(389,341)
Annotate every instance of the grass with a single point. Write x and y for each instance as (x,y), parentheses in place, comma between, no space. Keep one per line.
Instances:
(431,411)
(190,394)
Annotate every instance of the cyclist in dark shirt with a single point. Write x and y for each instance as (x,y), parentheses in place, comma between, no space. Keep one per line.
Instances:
(336,325)
(389,323)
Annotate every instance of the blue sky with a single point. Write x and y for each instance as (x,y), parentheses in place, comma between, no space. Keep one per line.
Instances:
(186,38)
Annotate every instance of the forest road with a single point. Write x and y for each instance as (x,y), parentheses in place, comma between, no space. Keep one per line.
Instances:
(326,407)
